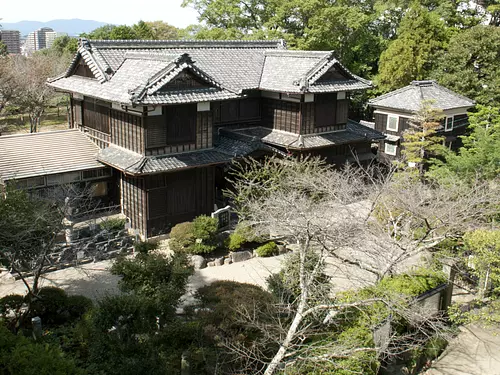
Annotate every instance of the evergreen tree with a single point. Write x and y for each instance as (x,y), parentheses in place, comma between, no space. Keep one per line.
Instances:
(421,141)
(470,65)
(420,36)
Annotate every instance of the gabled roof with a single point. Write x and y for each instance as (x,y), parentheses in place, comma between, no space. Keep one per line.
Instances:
(409,98)
(133,71)
(38,154)
(299,71)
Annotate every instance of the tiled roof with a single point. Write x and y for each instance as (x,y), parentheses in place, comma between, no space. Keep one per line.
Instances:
(132,72)
(135,164)
(37,154)
(299,71)
(354,132)
(409,98)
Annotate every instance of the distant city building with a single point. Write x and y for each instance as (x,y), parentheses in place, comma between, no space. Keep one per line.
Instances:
(37,40)
(12,39)
(51,36)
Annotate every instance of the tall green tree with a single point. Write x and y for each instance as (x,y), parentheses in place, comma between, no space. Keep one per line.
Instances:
(420,36)
(470,64)
(103,32)
(65,45)
(479,158)
(162,31)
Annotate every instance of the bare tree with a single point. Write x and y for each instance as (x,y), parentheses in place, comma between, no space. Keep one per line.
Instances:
(30,225)
(7,83)
(33,95)
(371,221)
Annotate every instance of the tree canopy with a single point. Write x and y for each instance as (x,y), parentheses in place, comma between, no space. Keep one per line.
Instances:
(420,36)
(470,64)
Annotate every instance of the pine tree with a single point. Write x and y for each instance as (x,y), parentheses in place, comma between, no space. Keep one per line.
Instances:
(421,140)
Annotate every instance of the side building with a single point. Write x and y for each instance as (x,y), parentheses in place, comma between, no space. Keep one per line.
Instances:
(170,116)
(54,163)
(393,110)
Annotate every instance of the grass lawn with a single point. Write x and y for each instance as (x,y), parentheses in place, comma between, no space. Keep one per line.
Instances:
(20,124)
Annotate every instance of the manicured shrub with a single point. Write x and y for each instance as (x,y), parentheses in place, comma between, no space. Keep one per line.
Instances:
(243,234)
(51,305)
(145,247)
(205,234)
(78,305)
(267,250)
(198,237)
(11,305)
(182,237)
(113,224)
(236,241)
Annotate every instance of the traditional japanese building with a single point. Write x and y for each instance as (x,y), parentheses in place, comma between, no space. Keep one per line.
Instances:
(169,115)
(393,110)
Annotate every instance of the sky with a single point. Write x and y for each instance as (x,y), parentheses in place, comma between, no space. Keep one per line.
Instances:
(117,12)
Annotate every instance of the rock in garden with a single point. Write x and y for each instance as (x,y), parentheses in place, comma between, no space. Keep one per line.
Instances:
(198,262)
(241,256)
(219,261)
(227,261)
(211,264)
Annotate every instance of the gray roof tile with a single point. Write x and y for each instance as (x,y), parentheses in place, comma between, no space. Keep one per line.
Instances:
(130,162)
(38,154)
(409,98)
(132,72)
(354,132)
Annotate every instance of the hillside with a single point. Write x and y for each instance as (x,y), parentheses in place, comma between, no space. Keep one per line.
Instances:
(73,27)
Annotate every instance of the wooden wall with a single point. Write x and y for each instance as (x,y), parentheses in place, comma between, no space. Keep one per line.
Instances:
(134,201)
(127,130)
(381,124)
(281,115)
(309,120)
(176,197)
(303,118)
(338,155)
(156,135)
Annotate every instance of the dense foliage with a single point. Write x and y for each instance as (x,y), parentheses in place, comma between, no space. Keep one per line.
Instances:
(196,237)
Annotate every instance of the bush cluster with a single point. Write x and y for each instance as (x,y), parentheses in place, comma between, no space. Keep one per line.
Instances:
(113,224)
(267,250)
(51,304)
(243,234)
(197,237)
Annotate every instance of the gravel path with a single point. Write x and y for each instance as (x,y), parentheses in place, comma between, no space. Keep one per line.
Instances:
(475,351)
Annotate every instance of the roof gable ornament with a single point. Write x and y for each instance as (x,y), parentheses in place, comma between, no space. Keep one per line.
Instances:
(183,64)
(325,65)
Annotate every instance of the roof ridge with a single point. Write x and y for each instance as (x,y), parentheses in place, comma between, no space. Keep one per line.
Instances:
(38,133)
(138,43)
(453,92)
(294,53)
(389,94)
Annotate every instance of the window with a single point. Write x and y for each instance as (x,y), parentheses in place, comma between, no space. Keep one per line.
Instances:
(325,110)
(99,189)
(96,173)
(63,178)
(448,124)
(392,123)
(30,182)
(390,149)
(181,124)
